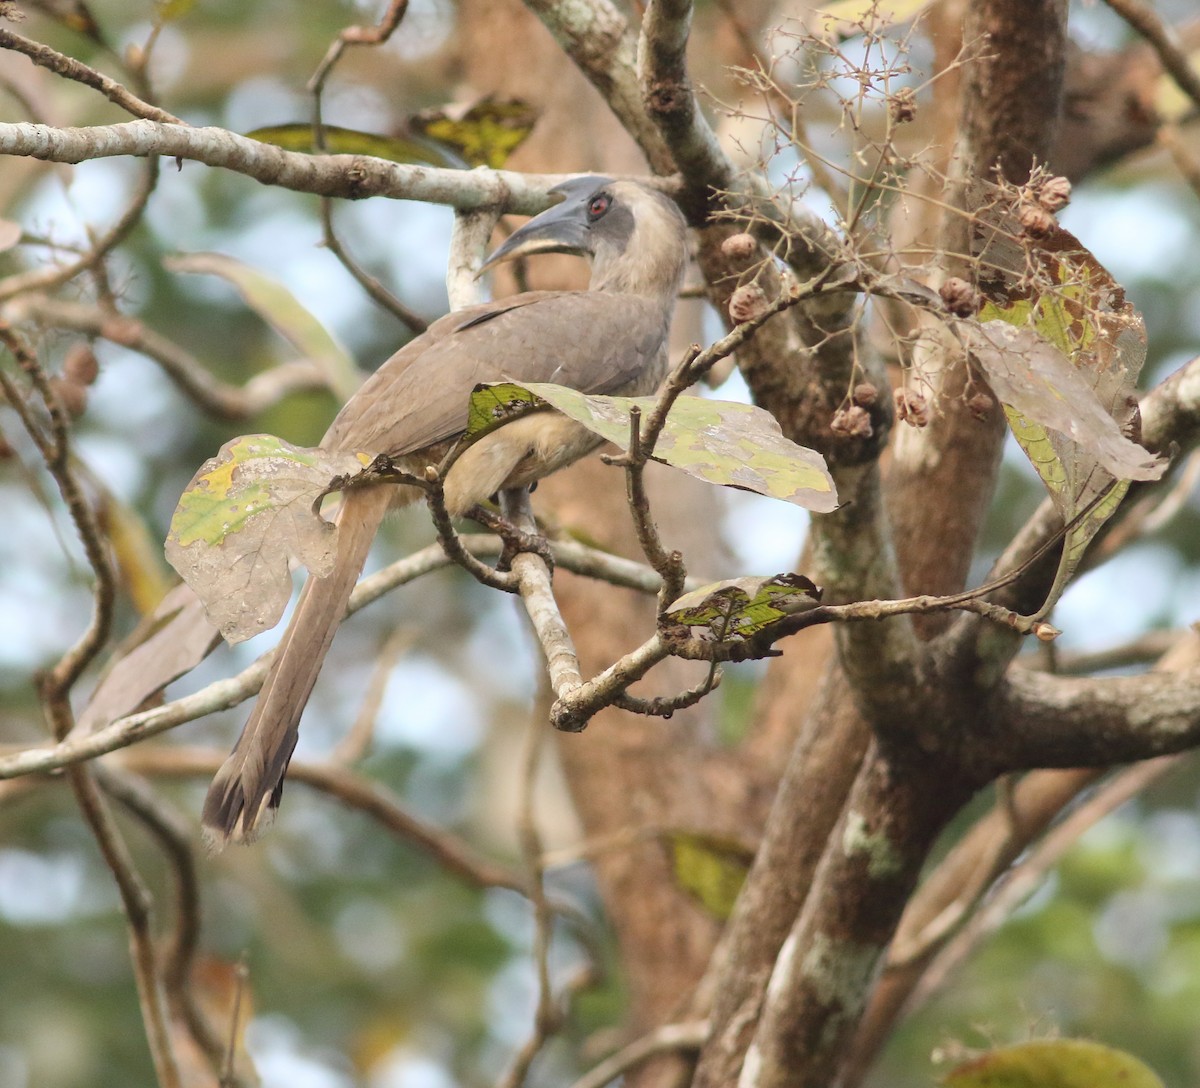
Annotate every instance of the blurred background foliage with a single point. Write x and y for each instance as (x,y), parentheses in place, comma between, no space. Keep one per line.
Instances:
(368,963)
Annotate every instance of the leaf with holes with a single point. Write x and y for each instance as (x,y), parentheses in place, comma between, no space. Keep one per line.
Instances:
(736,445)
(737,608)
(244,515)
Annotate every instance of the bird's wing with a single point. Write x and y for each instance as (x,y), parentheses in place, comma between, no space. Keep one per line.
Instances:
(595,342)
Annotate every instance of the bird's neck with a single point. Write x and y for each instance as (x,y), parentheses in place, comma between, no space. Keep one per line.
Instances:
(651,263)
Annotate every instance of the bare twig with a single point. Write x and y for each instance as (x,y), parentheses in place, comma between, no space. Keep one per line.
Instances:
(175,838)
(533,578)
(547,1018)
(218,398)
(467,244)
(663,1040)
(354,791)
(68,67)
(1025,878)
(1147,22)
(374,289)
(45,279)
(357,35)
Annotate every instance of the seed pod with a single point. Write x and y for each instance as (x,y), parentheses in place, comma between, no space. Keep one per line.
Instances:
(1035,220)
(1054,194)
(911,407)
(961,299)
(80,365)
(739,247)
(903,105)
(865,394)
(853,422)
(71,395)
(747,302)
(980,406)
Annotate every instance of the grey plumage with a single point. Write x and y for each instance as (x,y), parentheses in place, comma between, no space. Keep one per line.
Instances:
(608,339)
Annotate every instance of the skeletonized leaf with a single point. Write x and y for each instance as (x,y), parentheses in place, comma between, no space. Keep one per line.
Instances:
(484,134)
(1031,375)
(283,312)
(737,608)
(737,445)
(244,515)
(1054,1063)
(710,869)
(298,136)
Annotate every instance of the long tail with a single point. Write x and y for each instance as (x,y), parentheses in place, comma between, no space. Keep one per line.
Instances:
(250,781)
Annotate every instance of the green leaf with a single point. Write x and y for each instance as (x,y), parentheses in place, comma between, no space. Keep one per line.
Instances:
(485,134)
(167,11)
(736,445)
(276,305)
(298,136)
(709,868)
(737,608)
(245,513)
(1054,1063)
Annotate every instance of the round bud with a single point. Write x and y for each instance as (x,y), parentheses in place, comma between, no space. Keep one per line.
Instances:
(739,247)
(71,395)
(961,299)
(1035,220)
(747,303)
(80,365)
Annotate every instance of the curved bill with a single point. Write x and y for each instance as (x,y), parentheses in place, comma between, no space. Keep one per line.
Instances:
(560,229)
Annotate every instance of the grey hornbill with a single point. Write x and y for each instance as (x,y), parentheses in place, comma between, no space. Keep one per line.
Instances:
(609,339)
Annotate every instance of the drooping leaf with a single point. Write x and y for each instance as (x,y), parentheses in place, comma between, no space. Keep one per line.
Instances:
(1033,377)
(736,445)
(137,554)
(737,608)
(282,311)
(1054,1063)
(1062,348)
(298,136)
(709,868)
(244,515)
(174,639)
(484,134)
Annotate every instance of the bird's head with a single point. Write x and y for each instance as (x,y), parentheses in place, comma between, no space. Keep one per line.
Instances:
(634,234)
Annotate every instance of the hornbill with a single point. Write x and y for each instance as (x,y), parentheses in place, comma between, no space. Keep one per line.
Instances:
(611,338)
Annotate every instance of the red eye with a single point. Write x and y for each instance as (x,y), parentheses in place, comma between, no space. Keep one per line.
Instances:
(597,206)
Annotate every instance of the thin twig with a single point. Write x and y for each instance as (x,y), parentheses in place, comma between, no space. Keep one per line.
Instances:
(1025,878)
(210,394)
(1146,21)
(174,836)
(547,1018)
(70,68)
(46,279)
(669,1038)
(374,289)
